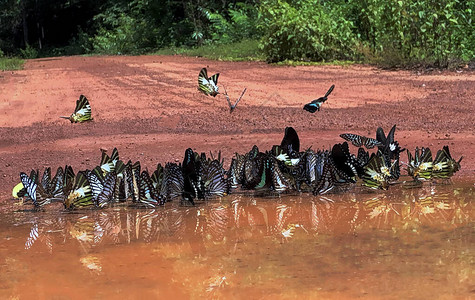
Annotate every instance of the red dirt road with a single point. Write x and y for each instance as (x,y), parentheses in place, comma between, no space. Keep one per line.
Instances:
(149,108)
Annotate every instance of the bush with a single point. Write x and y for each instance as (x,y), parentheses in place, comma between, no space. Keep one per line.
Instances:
(29,52)
(305,30)
(240,25)
(419,31)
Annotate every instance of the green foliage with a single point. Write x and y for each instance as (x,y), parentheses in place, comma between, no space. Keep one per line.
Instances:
(29,52)
(240,51)
(123,30)
(10,63)
(389,33)
(406,32)
(241,24)
(305,30)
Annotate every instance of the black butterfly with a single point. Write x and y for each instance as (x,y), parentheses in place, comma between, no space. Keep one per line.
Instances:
(232,107)
(317,103)
(208,85)
(359,140)
(345,163)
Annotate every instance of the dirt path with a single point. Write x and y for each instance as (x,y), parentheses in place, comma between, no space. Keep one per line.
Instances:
(149,108)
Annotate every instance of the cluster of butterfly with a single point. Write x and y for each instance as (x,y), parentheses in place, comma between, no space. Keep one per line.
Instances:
(421,166)
(209,86)
(114,181)
(283,168)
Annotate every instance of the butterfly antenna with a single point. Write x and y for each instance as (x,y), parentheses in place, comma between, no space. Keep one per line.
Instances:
(239,99)
(64,117)
(227,98)
(330,90)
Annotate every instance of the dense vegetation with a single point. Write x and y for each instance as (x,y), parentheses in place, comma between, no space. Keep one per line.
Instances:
(396,32)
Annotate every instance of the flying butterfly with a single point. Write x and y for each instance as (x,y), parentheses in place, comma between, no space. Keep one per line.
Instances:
(317,103)
(82,112)
(208,85)
(359,140)
(232,107)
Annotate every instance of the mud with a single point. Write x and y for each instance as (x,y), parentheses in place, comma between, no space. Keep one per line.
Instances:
(396,244)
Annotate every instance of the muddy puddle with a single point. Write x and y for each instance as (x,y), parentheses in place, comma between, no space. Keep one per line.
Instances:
(400,244)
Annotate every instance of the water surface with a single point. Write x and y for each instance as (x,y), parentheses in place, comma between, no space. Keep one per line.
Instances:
(410,244)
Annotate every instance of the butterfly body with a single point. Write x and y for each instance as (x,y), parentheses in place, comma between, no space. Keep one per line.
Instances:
(82,112)
(208,85)
(317,103)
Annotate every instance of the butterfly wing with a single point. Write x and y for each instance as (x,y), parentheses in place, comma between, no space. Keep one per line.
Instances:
(353,138)
(81,194)
(330,90)
(374,176)
(82,112)
(326,182)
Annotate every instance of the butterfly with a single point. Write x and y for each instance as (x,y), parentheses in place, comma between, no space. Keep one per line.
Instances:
(173,181)
(213,179)
(420,166)
(359,140)
(108,163)
(344,162)
(35,191)
(81,193)
(444,166)
(148,195)
(317,103)
(327,181)
(82,112)
(232,107)
(376,173)
(208,85)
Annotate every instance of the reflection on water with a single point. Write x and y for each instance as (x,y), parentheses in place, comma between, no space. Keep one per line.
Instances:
(407,243)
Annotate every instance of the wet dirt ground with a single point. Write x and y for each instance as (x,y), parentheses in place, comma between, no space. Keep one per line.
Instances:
(149,108)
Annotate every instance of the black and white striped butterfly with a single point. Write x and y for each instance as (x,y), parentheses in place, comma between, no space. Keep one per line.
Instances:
(327,181)
(359,140)
(35,191)
(148,195)
(213,179)
(208,85)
